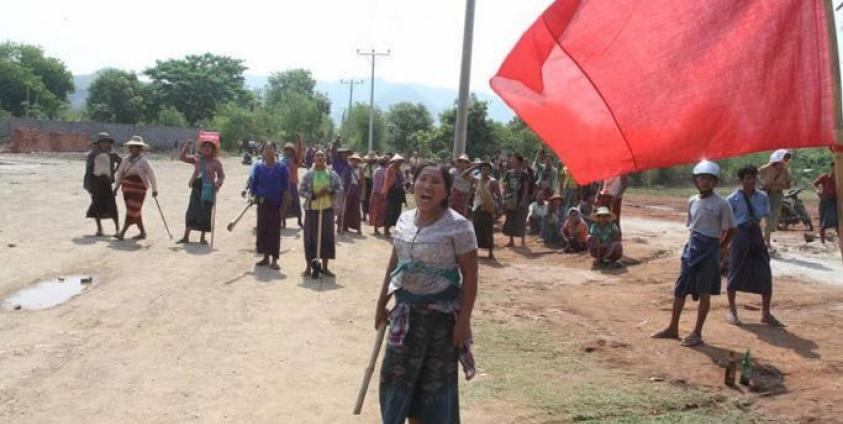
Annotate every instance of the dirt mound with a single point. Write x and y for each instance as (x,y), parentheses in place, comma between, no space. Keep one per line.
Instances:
(29,140)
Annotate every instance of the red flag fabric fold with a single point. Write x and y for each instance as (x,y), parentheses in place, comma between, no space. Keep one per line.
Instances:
(616,87)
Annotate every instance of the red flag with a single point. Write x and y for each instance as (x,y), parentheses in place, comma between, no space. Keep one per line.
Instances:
(620,86)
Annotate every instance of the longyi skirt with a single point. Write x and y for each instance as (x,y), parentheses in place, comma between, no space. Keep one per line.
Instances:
(828,213)
(134,192)
(268,240)
(377,210)
(294,210)
(700,269)
(198,215)
(311,234)
(103,203)
(516,222)
(420,379)
(352,216)
(394,199)
(368,195)
(749,262)
(484,229)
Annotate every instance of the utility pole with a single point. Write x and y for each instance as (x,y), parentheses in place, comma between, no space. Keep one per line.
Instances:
(351,83)
(27,100)
(373,55)
(461,125)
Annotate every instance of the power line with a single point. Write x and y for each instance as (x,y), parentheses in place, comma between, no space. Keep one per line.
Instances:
(351,83)
(373,57)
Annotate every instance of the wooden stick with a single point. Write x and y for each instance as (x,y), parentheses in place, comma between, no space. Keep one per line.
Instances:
(234,222)
(367,376)
(834,62)
(213,221)
(160,212)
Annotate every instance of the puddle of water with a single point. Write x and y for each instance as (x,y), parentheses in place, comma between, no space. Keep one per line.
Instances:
(46,294)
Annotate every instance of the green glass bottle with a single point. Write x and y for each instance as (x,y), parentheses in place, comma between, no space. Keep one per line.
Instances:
(746,368)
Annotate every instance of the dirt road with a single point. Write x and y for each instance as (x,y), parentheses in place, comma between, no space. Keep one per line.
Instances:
(185,334)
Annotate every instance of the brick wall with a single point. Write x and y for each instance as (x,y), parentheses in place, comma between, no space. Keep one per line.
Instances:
(160,138)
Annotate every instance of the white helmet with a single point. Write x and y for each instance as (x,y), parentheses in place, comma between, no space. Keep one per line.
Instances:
(778,155)
(707,167)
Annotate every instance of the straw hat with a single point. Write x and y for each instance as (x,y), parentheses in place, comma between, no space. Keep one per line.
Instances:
(289,146)
(464,157)
(603,211)
(397,158)
(555,197)
(104,136)
(355,157)
(136,141)
(371,156)
(344,150)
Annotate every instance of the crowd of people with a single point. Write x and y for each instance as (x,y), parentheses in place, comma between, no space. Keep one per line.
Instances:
(433,268)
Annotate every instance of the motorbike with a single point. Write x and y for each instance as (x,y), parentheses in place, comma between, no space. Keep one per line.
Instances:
(247,159)
(794,212)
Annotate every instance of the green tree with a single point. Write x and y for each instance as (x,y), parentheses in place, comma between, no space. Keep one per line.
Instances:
(355,129)
(236,123)
(292,94)
(116,96)
(198,84)
(518,137)
(281,84)
(404,120)
(31,83)
(483,138)
(170,117)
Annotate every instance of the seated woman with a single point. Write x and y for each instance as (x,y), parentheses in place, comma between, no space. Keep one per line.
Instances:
(552,221)
(575,232)
(537,211)
(604,238)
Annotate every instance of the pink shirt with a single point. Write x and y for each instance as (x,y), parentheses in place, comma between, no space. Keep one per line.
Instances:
(212,166)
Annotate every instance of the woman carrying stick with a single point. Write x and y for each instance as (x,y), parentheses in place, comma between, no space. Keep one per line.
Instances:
(432,274)
(135,176)
(269,183)
(206,180)
(322,191)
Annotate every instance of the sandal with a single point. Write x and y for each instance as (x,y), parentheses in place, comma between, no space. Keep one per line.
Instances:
(773,322)
(327,273)
(275,265)
(732,318)
(182,241)
(665,334)
(691,341)
(263,262)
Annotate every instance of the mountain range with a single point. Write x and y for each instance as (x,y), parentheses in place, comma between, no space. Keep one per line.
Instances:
(387,93)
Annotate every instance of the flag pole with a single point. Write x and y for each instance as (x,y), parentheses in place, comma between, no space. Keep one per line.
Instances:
(834,61)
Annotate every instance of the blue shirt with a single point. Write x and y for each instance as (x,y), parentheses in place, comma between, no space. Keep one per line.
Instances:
(340,166)
(760,206)
(270,182)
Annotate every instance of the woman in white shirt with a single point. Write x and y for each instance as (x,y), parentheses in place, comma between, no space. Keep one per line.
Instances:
(135,176)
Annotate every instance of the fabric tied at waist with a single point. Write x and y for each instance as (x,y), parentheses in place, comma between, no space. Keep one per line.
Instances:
(452,275)
(447,302)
